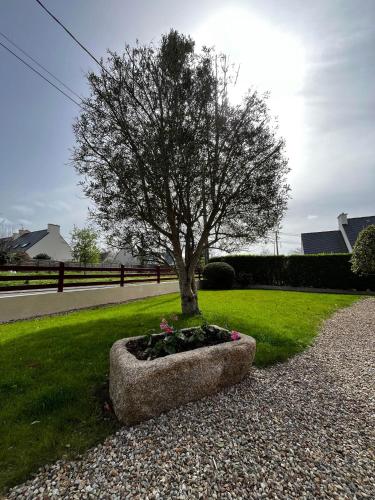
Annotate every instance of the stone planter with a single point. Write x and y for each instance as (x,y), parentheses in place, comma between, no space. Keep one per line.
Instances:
(144,389)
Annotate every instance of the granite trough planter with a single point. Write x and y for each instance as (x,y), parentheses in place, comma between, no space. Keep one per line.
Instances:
(140,390)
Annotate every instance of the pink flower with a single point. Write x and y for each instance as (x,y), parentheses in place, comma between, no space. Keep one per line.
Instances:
(163,323)
(234,335)
(165,327)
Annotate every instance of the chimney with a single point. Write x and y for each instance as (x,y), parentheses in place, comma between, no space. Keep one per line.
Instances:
(53,228)
(343,219)
(21,232)
(15,236)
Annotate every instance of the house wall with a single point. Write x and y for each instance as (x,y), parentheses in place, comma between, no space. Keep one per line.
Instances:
(124,258)
(53,244)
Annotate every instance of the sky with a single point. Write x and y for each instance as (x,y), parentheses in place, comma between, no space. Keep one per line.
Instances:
(316,58)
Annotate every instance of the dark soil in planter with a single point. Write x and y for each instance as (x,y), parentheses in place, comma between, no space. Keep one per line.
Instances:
(165,343)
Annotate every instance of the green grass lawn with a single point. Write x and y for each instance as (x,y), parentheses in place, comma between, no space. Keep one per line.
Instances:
(53,370)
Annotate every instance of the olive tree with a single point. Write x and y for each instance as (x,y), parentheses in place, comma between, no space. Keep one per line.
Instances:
(363,257)
(172,165)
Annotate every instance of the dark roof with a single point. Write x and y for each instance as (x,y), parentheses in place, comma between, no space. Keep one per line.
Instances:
(323,242)
(355,226)
(27,240)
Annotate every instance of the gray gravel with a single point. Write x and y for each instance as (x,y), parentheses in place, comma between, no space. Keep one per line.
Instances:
(302,429)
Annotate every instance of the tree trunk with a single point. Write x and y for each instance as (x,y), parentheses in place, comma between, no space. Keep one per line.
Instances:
(189,296)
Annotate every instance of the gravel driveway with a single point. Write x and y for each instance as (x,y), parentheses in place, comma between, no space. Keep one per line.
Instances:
(302,429)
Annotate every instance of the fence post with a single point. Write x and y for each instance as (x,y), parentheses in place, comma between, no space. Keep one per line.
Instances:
(122,275)
(60,285)
(157,274)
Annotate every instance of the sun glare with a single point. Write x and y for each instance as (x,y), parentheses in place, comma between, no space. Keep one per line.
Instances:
(269,60)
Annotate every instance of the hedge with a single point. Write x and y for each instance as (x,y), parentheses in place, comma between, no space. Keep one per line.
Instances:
(316,271)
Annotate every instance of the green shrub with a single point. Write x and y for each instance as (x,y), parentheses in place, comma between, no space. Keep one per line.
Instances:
(363,257)
(218,275)
(20,258)
(315,271)
(42,256)
(4,257)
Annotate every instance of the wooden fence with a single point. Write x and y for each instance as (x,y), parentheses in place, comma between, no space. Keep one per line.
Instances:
(67,276)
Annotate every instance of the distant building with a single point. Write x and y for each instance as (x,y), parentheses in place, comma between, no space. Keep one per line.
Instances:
(117,257)
(124,257)
(48,241)
(339,241)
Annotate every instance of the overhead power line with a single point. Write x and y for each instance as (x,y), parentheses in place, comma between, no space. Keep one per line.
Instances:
(39,64)
(39,74)
(72,36)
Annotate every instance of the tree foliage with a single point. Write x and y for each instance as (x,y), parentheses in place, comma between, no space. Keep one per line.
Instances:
(4,251)
(19,258)
(172,165)
(4,257)
(42,256)
(84,245)
(363,257)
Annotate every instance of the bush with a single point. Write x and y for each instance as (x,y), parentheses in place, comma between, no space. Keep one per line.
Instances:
(218,275)
(363,257)
(42,256)
(19,258)
(315,271)
(4,257)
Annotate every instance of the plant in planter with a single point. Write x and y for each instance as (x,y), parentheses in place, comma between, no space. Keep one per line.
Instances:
(172,340)
(154,373)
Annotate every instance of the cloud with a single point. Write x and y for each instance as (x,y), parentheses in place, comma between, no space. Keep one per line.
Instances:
(311,217)
(61,206)
(24,222)
(5,221)
(23,209)
(39,204)
(58,205)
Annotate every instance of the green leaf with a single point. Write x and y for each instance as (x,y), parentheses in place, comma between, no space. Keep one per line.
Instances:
(180,335)
(170,348)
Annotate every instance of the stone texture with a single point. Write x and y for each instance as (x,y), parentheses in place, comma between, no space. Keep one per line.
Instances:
(144,389)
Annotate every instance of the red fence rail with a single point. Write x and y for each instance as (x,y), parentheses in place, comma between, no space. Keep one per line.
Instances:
(67,276)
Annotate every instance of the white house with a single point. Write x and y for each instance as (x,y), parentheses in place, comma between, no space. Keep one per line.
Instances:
(48,241)
(117,257)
